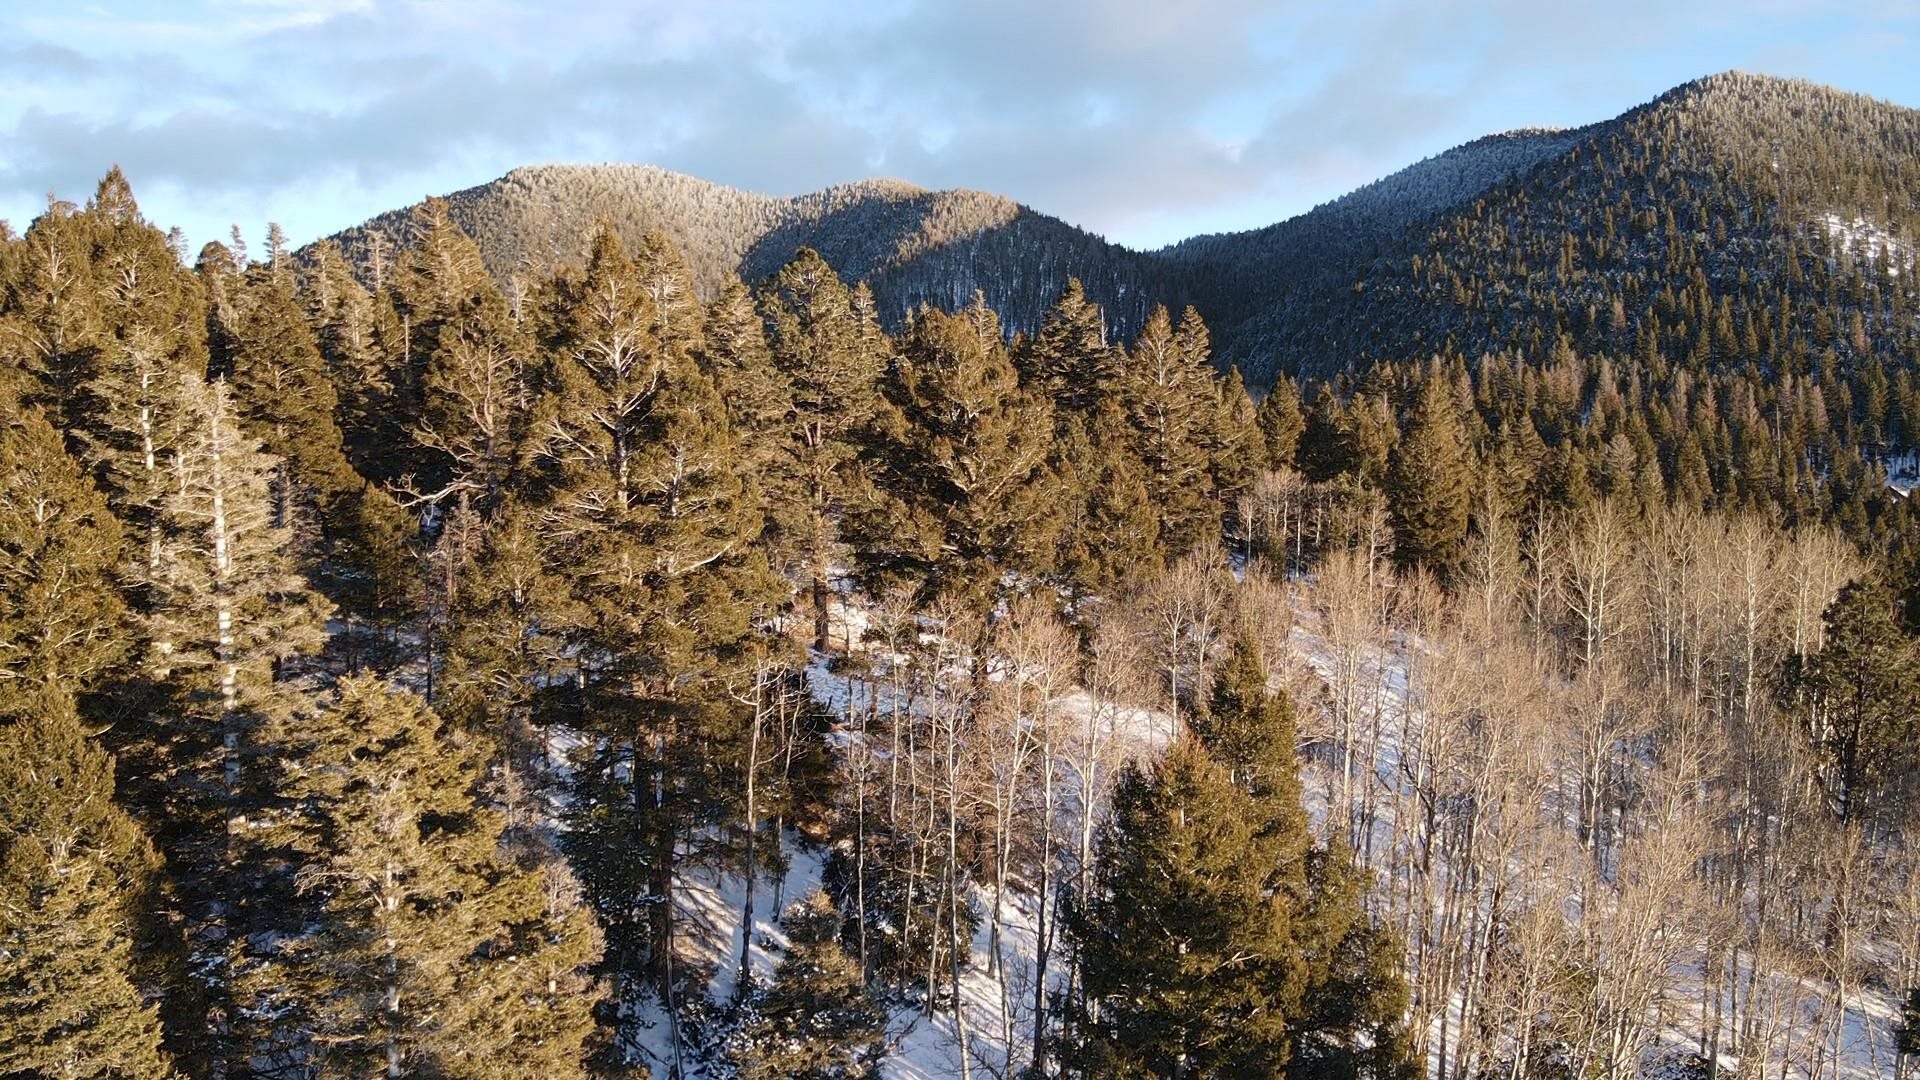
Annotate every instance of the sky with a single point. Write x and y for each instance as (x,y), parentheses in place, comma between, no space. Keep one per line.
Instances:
(1143,120)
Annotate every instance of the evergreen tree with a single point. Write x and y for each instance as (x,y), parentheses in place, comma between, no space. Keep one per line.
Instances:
(1235,445)
(1069,358)
(1863,692)
(52,327)
(1171,404)
(828,346)
(818,1021)
(1323,454)
(1249,729)
(650,523)
(1282,423)
(1186,952)
(223,609)
(1108,531)
(734,354)
(73,872)
(63,625)
(437,954)
(1429,487)
(967,464)
(357,334)
(465,378)
(1224,847)
(140,295)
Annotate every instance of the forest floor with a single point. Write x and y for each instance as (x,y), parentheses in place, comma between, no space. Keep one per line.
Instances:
(997,997)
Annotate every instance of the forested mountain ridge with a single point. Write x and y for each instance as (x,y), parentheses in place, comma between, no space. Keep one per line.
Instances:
(1716,210)
(1237,276)
(911,245)
(1735,191)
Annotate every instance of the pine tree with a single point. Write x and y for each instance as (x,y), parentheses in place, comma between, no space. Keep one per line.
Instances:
(828,346)
(356,333)
(465,379)
(1249,729)
(1235,445)
(63,624)
(1323,454)
(650,523)
(1171,404)
(759,401)
(967,465)
(73,869)
(1352,996)
(818,1021)
(1186,952)
(283,389)
(437,954)
(1282,423)
(223,609)
(1215,912)
(1069,359)
(52,328)
(1108,531)
(1429,487)
(1861,687)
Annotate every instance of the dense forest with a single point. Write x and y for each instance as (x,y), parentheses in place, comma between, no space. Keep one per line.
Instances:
(608,667)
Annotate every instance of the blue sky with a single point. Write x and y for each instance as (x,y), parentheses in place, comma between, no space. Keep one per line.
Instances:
(1145,120)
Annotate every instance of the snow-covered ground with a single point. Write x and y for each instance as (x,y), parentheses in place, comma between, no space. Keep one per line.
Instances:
(1866,240)
(997,999)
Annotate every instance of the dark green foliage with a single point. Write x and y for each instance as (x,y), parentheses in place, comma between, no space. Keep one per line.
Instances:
(818,1021)
(464,379)
(1429,485)
(1069,357)
(973,498)
(1186,951)
(73,874)
(1282,423)
(831,351)
(646,520)
(1862,691)
(1172,408)
(63,625)
(438,954)
(1109,531)
(1221,941)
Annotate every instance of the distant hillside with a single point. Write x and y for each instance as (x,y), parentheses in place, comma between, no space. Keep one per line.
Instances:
(1235,276)
(1739,216)
(912,245)
(1721,194)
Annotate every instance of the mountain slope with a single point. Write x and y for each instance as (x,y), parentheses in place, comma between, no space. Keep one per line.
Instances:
(912,245)
(1719,222)
(1237,275)
(1705,211)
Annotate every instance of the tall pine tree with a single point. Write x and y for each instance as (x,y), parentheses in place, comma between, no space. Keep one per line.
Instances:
(1429,487)
(437,954)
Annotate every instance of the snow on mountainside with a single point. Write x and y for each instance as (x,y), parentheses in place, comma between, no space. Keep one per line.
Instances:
(1437,183)
(1860,238)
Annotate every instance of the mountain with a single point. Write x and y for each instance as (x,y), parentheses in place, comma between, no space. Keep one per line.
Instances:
(1740,218)
(911,245)
(1293,264)
(1712,206)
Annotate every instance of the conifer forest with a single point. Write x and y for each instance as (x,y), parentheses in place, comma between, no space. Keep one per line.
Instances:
(602,624)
